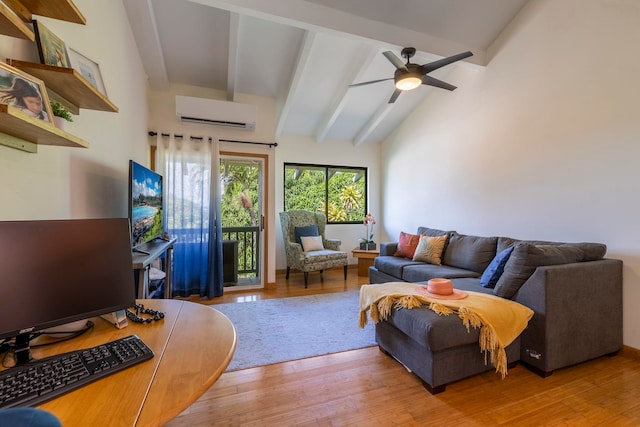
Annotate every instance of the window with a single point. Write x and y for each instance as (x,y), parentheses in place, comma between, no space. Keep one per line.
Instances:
(340,192)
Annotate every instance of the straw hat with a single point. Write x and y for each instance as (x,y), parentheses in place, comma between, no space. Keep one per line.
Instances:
(441,289)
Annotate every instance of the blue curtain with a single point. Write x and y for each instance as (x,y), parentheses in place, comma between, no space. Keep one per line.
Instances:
(190,169)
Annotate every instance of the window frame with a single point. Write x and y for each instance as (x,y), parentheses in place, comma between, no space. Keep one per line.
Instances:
(326,168)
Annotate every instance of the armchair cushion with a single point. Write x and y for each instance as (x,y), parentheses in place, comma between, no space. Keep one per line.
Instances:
(307,230)
(311,243)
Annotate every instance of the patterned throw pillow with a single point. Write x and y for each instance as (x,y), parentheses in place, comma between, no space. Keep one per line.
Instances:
(430,249)
(311,243)
(407,244)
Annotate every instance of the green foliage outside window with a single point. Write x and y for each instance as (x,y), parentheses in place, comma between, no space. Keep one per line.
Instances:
(338,192)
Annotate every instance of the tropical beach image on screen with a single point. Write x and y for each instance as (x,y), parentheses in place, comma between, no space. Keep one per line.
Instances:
(146,204)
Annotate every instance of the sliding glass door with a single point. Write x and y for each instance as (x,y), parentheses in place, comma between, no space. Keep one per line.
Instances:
(242,187)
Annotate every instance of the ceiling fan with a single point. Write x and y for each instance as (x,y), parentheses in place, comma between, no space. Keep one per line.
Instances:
(409,76)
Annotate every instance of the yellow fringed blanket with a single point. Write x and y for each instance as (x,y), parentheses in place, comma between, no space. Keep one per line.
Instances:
(500,320)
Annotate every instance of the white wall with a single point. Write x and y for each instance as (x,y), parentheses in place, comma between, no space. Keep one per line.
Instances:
(290,148)
(541,144)
(60,182)
(300,149)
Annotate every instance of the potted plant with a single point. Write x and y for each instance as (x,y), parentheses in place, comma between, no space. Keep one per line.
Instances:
(60,114)
(367,243)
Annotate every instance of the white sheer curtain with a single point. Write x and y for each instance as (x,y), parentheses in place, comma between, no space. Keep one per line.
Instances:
(191,172)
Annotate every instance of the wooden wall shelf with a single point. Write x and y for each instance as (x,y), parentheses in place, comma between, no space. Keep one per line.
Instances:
(12,25)
(63,10)
(20,131)
(67,83)
(14,15)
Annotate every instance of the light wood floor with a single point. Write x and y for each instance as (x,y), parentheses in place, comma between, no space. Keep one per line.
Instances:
(367,388)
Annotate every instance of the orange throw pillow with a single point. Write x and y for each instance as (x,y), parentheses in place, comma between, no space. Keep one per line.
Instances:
(407,244)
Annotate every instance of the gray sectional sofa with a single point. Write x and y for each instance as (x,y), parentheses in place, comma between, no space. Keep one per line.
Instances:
(575,293)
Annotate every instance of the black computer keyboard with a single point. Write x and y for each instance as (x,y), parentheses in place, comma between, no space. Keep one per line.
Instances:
(36,382)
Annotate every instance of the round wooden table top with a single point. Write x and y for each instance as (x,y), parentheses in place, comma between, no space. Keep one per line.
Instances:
(193,345)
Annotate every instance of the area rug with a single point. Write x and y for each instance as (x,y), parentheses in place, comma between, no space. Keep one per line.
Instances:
(278,330)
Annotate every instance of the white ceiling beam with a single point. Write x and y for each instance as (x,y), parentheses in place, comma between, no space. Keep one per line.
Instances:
(372,124)
(145,31)
(343,94)
(318,18)
(232,63)
(302,63)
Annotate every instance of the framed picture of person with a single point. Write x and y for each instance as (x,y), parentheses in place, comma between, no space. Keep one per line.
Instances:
(51,48)
(24,92)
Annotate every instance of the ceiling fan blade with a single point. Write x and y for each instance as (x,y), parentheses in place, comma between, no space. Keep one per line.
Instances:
(394,96)
(431,66)
(430,81)
(369,82)
(395,60)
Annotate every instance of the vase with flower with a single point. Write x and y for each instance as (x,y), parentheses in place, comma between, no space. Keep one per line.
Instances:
(367,243)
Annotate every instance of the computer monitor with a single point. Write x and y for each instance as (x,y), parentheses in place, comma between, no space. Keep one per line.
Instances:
(54,272)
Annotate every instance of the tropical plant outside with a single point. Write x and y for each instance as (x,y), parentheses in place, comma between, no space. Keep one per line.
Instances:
(338,192)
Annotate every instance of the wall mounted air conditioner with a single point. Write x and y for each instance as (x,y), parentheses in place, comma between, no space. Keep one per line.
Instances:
(214,112)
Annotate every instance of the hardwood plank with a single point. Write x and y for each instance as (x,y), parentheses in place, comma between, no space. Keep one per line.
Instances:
(368,388)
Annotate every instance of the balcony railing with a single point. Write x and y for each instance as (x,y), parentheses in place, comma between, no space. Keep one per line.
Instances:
(248,246)
(248,239)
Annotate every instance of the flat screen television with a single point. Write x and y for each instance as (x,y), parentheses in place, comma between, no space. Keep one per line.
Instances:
(145,204)
(55,272)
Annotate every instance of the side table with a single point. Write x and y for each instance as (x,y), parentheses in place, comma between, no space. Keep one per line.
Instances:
(365,260)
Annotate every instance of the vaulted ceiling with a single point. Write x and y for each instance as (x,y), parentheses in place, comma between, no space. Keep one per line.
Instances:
(306,53)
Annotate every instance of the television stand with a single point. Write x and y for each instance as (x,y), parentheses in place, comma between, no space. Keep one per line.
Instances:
(142,258)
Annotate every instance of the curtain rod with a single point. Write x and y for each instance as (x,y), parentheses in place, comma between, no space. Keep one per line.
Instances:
(270,144)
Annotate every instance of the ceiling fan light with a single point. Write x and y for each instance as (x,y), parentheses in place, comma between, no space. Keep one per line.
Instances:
(408,82)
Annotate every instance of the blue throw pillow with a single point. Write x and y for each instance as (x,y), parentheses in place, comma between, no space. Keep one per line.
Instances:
(493,272)
(307,230)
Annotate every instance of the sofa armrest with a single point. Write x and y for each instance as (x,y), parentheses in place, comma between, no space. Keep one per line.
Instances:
(577,313)
(388,248)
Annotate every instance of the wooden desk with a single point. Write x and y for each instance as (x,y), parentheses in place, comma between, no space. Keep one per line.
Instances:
(365,260)
(193,346)
(142,261)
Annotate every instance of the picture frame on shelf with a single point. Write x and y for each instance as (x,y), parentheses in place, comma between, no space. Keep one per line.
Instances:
(88,68)
(25,93)
(51,48)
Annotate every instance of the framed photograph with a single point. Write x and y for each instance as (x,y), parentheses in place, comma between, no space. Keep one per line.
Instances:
(51,48)
(89,69)
(24,92)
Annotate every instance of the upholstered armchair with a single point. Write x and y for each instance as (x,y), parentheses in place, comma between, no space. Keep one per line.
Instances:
(296,226)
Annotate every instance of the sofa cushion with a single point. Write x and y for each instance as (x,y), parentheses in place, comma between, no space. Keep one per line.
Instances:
(392,265)
(592,251)
(525,258)
(407,244)
(430,249)
(495,269)
(470,252)
(470,284)
(307,230)
(432,232)
(431,330)
(422,272)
